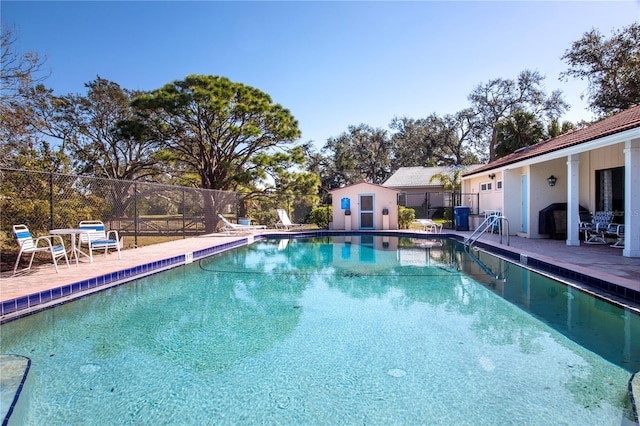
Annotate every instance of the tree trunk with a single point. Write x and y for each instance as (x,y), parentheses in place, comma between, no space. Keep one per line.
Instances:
(210,214)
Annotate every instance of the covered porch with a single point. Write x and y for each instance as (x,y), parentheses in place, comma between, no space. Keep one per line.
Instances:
(596,168)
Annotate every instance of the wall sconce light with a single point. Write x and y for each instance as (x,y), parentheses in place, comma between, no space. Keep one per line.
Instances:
(552,180)
(492,176)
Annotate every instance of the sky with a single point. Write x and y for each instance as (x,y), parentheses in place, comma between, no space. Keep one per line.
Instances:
(333,64)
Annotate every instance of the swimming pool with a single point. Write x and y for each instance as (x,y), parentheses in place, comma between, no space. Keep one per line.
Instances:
(357,329)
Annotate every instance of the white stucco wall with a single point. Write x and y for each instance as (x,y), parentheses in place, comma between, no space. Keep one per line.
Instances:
(487,199)
(383,198)
(509,200)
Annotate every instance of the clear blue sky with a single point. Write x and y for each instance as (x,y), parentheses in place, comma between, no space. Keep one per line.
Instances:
(332,64)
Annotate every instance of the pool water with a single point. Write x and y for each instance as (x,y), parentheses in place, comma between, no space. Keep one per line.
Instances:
(342,330)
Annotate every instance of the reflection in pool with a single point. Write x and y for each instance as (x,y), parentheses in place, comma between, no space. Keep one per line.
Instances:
(334,330)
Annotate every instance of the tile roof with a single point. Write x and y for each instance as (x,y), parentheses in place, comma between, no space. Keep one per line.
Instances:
(620,122)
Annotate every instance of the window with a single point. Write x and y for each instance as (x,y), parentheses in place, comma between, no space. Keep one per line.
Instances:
(499,185)
(610,192)
(487,186)
(402,199)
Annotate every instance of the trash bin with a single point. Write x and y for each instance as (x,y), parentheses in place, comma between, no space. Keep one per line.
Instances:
(461,218)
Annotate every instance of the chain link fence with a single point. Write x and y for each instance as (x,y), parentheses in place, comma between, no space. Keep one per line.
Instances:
(137,210)
(142,212)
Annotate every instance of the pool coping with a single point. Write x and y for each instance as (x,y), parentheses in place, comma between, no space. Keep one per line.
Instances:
(18,307)
(13,309)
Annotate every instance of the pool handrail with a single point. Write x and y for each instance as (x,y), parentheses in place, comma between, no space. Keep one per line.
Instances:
(488,223)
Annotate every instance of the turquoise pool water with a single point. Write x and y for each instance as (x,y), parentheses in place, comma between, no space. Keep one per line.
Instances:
(343,330)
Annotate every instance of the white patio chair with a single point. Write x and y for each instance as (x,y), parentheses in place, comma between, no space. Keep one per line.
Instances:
(97,238)
(229,227)
(28,244)
(284,221)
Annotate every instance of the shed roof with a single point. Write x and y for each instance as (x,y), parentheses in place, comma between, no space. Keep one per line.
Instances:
(419,177)
(617,123)
(363,182)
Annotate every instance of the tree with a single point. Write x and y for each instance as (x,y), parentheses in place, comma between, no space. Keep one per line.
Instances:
(434,141)
(450,180)
(225,132)
(518,131)
(18,71)
(555,129)
(500,98)
(416,142)
(21,142)
(610,66)
(462,126)
(361,153)
(103,136)
(102,132)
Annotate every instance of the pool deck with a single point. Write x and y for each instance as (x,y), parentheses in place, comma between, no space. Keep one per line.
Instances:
(601,262)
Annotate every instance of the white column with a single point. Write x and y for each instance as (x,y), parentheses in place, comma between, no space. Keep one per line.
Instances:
(573,200)
(631,198)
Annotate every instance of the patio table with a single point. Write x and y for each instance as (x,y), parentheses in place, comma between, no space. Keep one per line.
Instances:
(74,251)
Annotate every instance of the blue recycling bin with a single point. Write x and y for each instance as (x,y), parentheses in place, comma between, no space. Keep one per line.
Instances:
(461,218)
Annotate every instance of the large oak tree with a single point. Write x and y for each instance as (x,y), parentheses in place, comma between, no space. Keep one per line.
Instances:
(500,98)
(611,67)
(361,153)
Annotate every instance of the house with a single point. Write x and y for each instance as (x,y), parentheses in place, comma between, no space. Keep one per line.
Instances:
(596,167)
(364,206)
(418,191)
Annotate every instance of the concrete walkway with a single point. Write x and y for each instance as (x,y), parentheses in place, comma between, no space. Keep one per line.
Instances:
(45,277)
(598,261)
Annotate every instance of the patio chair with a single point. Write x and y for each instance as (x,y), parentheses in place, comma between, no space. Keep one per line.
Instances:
(616,231)
(229,227)
(284,221)
(28,244)
(594,231)
(98,238)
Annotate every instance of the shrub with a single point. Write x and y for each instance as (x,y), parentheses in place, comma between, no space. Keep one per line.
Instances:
(321,216)
(405,217)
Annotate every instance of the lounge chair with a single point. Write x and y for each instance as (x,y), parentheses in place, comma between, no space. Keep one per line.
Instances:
(594,231)
(229,227)
(97,238)
(284,221)
(28,244)
(430,226)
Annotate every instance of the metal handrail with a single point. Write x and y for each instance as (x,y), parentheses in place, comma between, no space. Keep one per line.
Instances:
(488,223)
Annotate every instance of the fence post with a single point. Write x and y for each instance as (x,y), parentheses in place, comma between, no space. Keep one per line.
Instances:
(51,200)
(135,214)
(184,207)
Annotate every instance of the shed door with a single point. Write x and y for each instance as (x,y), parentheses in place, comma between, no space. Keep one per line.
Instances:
(366,212)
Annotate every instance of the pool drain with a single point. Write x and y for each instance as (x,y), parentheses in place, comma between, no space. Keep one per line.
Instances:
(396,372)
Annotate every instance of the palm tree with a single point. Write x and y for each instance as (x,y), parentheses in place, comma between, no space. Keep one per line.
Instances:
(518,131)
(449,180)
